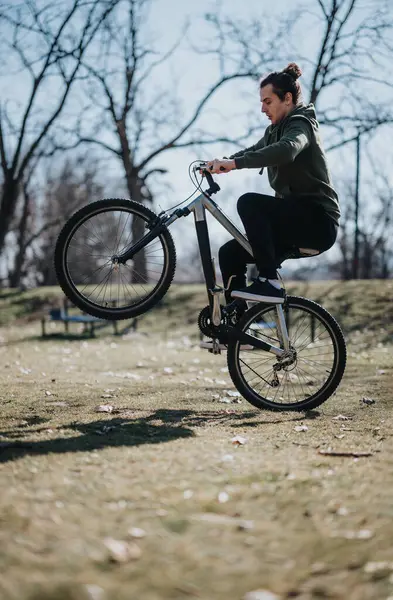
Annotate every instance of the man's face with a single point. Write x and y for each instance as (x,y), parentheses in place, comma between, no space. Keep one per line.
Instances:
(274,108)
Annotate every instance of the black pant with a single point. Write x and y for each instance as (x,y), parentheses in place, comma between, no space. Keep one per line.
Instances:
(273,226)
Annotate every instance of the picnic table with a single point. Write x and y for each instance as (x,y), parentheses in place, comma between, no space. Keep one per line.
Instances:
(90,323)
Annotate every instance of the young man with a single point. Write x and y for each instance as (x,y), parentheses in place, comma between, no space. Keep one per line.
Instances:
(304,212)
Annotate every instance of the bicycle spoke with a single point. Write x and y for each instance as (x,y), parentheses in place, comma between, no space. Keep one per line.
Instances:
(105,232)
(312,362)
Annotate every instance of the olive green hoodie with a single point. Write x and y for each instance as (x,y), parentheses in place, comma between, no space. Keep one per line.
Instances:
(295,160)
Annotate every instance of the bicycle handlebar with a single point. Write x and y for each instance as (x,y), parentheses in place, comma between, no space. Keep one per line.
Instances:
(213,185)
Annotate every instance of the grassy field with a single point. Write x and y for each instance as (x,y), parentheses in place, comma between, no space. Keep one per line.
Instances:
(120,478)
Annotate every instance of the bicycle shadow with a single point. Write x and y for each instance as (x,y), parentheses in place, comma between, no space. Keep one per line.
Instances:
(96,435)
(163,425)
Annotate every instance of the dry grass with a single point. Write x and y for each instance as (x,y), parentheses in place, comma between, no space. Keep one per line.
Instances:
(219,520)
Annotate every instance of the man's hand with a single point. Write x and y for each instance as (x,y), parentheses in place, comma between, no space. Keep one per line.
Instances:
(217,166)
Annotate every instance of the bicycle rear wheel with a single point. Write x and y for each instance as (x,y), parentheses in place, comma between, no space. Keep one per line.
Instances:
(90,277)
(317,357)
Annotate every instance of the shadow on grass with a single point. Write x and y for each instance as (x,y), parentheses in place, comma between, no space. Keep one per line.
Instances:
(161,426)
(97,435)
(61,337)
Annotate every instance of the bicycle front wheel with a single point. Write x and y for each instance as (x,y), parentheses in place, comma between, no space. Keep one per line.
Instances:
(90,277)
(314,364)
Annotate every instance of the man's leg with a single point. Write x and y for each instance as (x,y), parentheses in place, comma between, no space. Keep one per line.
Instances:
(281,223)
(233,260)
(303,224)
(257,212)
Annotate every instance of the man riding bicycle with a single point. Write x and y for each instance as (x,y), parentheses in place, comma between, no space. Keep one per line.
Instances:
(304,212)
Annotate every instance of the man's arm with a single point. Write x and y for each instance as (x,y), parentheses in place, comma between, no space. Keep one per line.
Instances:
(253,148)
(296,137)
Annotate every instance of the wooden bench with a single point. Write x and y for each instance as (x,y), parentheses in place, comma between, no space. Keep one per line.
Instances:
(90,324)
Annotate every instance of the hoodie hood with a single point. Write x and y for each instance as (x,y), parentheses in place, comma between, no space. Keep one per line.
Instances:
(301,111)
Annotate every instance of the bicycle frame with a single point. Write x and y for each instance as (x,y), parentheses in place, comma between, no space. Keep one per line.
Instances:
(199,206)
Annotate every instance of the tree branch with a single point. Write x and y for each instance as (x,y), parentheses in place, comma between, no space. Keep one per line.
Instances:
(85,40)
(195,116)
(3,155)
(37,80)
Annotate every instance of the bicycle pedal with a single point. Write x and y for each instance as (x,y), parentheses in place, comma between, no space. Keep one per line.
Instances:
(213,348)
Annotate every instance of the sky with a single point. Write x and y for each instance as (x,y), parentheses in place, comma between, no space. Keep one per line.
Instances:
(172,14)
(230,110)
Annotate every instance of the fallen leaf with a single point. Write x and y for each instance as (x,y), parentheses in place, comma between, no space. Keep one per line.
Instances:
(261,595)
(95,592)
(368,401)
(120,551)
(299,428)
(137,532)
(104,408)
(238,440)
(341,418)
(223,497)
(374,567)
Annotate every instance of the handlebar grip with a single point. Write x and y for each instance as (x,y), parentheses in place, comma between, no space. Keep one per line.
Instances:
(209,176)
(213,186)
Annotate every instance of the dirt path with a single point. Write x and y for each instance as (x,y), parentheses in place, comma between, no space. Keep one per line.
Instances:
(154,501)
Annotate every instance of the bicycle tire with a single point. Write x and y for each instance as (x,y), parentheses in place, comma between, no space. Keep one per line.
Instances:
(105,209)
(237,364)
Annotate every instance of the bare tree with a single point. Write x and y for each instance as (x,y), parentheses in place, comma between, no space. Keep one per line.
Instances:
(137,119)
(67,189)
(46,42)
(353,55)
(375,230)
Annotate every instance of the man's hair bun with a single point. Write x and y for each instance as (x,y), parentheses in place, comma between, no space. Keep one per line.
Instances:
(293,70)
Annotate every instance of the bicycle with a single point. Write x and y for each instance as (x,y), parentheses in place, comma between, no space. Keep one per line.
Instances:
(288,356)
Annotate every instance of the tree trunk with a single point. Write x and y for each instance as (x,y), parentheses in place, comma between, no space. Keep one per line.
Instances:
(384,261)
(134,185)
(16,274)
(9,198)
(139,272)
